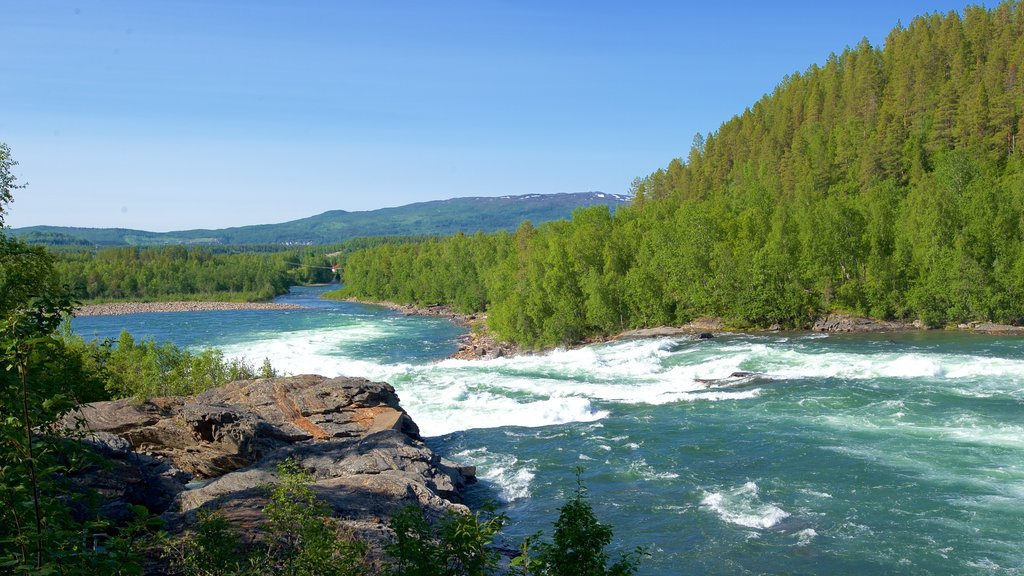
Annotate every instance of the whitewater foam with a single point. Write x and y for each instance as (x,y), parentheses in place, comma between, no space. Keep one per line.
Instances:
(646,472)
(511,477)
(564,386)
(805,536)
(743,507)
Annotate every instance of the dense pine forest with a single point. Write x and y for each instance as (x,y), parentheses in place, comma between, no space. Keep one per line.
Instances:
(886,182)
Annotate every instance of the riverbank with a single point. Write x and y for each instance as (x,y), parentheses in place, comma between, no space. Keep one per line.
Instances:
(122,308)
(481,344)
(477,344)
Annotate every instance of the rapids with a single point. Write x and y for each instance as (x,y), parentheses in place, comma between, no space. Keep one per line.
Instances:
(882,454)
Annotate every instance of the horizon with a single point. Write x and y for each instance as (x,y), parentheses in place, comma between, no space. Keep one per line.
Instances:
(622,197)
(177,116)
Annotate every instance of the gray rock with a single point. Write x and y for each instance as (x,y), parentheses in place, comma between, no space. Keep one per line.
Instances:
(845,323)
(351,435)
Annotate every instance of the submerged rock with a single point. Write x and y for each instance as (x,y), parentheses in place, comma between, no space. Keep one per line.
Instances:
(739,379)
(363,451)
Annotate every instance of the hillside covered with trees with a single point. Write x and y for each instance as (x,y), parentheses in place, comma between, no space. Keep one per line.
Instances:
(437,217)
(886,182)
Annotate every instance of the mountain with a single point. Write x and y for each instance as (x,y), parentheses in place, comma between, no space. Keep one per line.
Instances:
(438,217)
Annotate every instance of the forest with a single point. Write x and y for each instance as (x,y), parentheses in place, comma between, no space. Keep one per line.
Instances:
(235,273)
(886,182)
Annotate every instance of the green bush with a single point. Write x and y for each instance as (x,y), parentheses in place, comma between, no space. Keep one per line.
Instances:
(578,545)
(304,540)
(47,524)
(145,368)
(301,538)
(460,544)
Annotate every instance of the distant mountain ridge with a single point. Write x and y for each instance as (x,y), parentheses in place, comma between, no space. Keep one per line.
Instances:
(436,217)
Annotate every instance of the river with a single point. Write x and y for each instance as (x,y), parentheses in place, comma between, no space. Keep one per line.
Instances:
(882,454)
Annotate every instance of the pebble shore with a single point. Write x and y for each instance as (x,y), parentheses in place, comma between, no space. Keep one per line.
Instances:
(120,308)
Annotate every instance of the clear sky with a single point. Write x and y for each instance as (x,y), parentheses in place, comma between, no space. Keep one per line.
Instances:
(168,115)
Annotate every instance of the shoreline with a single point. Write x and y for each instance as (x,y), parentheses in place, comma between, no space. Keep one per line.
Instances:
(479,344)
(435,310)
(123,308)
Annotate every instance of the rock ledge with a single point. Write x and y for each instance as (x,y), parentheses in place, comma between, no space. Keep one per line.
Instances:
(220,448)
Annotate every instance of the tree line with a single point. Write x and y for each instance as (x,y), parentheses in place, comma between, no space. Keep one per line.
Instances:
(252,272)
(179,272)
(886,182)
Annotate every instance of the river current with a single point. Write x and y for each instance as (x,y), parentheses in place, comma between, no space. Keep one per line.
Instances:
(881,454)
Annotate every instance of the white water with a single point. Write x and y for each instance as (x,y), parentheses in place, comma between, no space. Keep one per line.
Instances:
(562,386)
(743,506)
(553,388)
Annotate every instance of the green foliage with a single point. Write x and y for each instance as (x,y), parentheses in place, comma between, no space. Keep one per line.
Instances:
(143,369)
(8,181)
(179,273)
(147,369)
(458,545)
(301,538)
(47,524)
(578,545)
(213,548)
(223,273)
(885,182)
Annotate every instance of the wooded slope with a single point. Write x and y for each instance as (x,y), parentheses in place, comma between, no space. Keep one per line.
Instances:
(887,182)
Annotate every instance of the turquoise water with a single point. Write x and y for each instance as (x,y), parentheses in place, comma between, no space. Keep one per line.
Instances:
(893,454)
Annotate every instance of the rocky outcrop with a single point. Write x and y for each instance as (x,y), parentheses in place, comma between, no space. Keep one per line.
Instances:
(993,329)
(846,323)
(220,450)
(479,344)
(701,328)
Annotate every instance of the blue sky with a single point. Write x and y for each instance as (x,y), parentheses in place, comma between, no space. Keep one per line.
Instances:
(168,115)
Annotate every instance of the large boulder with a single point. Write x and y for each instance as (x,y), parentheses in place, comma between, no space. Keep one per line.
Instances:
(221,449)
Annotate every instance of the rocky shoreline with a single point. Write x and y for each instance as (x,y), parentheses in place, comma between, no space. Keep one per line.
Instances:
(219,450)
(700,326)
(480,344)
(121,308)
(477,344)
(857,324)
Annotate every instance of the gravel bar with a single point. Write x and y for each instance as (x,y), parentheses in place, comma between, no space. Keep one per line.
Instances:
(119,308)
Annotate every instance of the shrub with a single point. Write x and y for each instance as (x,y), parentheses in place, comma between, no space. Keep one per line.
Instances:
(460,544)
(578,544)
